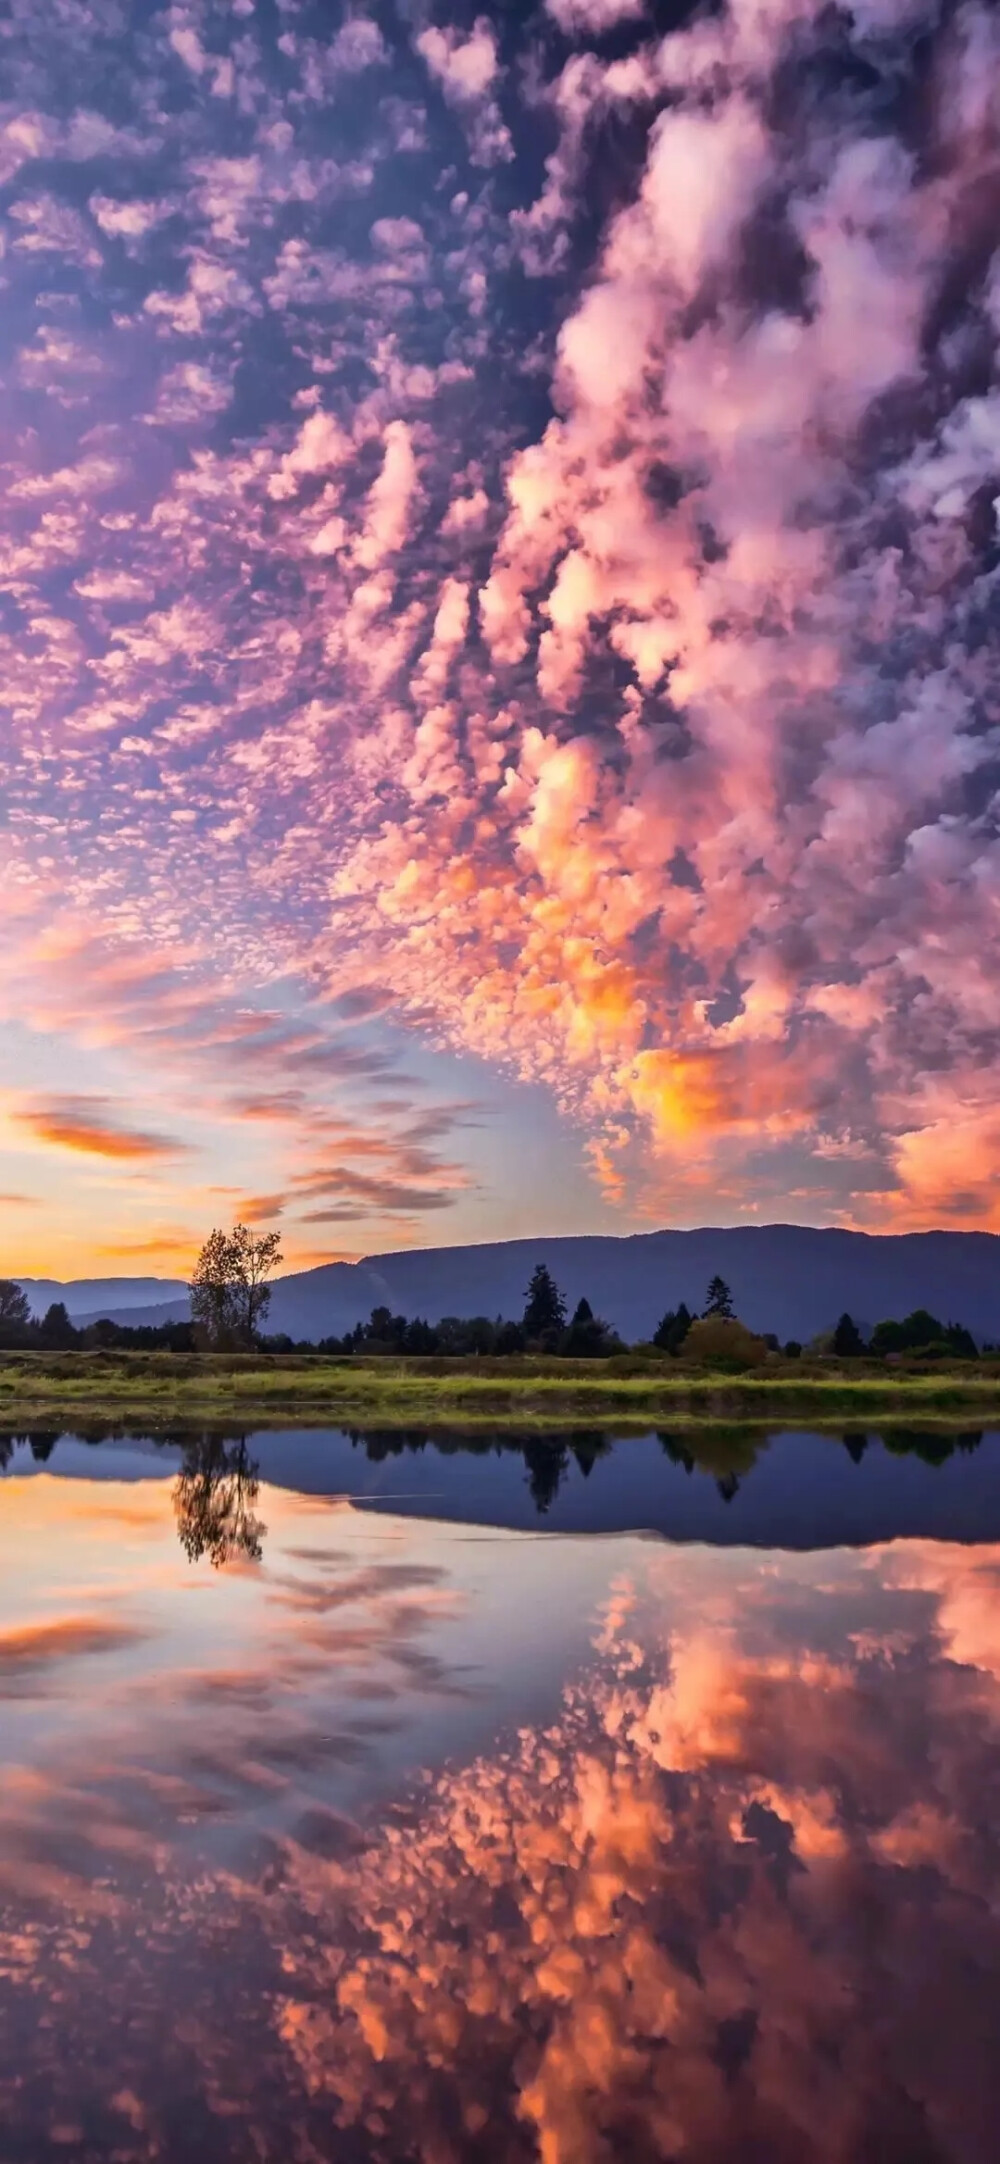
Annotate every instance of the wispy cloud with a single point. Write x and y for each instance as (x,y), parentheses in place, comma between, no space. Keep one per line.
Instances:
(92,1127)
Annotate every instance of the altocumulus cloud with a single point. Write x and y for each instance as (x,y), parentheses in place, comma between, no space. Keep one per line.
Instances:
(524,485)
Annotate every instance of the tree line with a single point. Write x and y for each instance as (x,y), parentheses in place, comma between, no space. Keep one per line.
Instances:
(230,1293)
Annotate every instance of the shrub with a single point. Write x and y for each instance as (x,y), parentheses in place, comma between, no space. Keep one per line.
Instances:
(716,1341)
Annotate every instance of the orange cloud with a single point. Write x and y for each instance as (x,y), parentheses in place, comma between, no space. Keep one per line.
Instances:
(88,1125)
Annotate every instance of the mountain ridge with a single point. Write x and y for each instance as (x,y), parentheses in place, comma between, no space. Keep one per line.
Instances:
(793,1279)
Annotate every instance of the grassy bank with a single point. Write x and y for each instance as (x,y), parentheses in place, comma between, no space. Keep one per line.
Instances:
(162,1390)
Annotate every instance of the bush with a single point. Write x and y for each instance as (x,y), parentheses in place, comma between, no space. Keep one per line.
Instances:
(717,1342)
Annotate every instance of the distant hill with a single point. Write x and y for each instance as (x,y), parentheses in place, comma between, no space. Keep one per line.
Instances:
(90,1296)
(137,1318)
(787,1278)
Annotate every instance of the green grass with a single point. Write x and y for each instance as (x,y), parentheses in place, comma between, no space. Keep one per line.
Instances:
(163,1390)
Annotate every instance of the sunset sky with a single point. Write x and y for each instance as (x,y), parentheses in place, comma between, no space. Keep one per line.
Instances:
(499,620)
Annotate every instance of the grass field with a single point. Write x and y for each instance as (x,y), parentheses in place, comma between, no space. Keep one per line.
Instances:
(163,1390)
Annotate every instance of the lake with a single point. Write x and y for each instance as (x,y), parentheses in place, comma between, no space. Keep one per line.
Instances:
(573,1799)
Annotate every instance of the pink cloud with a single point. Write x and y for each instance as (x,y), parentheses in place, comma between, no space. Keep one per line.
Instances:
(468,71)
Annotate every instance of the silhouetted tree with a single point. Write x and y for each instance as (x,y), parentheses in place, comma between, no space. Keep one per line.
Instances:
(588,1337)
(545,1310)
(384,1332)
(15,1312)
(419,1337)
(55,1330)
(459,1335)
(848,1343)
(670,1334)
(230,1294)
(719,1300)
(509,1338)
(255,1257)
(855,1443)
(214,1498)
(214,1302)
(921,1332)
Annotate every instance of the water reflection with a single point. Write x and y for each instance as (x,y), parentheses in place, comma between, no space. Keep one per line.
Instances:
(417,1845)
(723,1908)
(724,1483)
(214,1497)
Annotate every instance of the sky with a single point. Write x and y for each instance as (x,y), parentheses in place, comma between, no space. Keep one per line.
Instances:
(499,685)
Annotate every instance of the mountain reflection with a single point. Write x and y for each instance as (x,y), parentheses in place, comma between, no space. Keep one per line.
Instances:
(214,1497)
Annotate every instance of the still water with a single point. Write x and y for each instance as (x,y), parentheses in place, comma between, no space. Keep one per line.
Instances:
(572,1802)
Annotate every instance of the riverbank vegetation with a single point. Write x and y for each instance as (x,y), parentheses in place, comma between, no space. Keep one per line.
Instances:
(628,1391)
(548,1368)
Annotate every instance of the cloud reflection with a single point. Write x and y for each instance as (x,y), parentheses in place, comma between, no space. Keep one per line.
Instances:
(731,1896)
(731,1904)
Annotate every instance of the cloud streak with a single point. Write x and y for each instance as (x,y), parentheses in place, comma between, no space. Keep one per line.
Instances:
(90,1126)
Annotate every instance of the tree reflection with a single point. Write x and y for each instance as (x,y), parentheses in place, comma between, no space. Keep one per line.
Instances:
(587,1447)
(214,1497)
(677,1452)
(934,1445)
(546,1461)
(41,1444)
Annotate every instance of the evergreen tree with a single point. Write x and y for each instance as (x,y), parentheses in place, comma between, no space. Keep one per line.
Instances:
(55,1331)
(544,1317)
(670,1334)
(588,1338)
(848,1343)
(719,1300)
